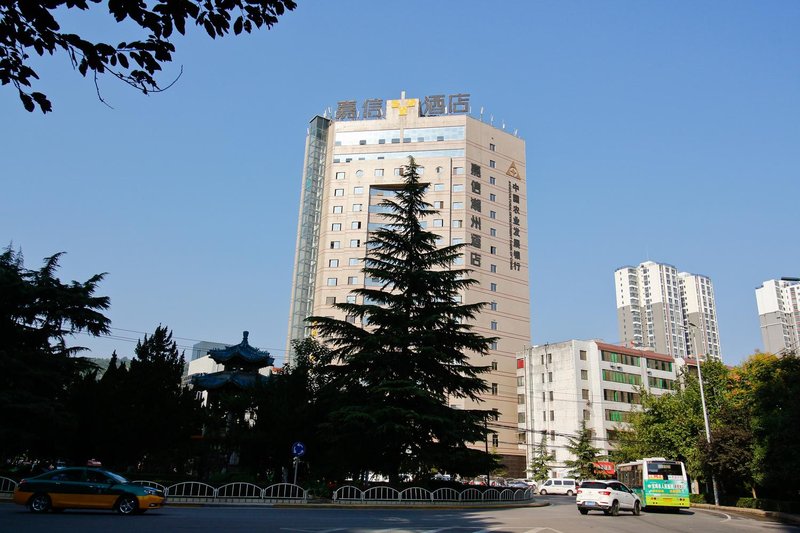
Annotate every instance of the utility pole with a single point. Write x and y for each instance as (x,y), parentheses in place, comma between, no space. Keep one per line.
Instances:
(705,413)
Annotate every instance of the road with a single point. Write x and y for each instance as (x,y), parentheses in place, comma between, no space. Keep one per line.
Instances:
(560,517)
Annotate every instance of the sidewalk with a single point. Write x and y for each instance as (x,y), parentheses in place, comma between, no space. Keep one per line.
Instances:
(788,518)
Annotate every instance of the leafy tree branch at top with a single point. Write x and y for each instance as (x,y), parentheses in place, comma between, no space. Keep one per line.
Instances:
(32,26)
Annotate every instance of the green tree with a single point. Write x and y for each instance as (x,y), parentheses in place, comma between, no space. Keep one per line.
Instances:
(38,313)
(541,459)
(405,350)
(765,389)
(160,414)
(583,452)
(28,26)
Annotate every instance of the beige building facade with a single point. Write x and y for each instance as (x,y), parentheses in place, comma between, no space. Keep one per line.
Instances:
(477,181)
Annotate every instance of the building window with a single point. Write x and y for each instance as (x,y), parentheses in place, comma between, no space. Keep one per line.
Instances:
(458,171)
(358,190)
(459,187)
(438,223)
(493,250)
(492,214)
(493,325)
(494,365)
(357,207)
(355,243)
(493,287)
(438,204)
(495,440)
(521,382)
(340,175)
(542,382)
(337,209)
(332,282)
(549,358)
(350,319)
(336,227)
(583,355)
(352,280)
(458,205)
(330,300)
(549,377)
(492,164)
(494,389)
(378,172)
(493,345)
(586,414)
(333,263)
(438,187)
(336,244)
(585,374)
(585,394)
(458,223)
(552,416)
(338,192)
(491,147)
(493,306)
(354,261)
(492,268)
(355,224)
(492,197)
(492,180)
(493,232)
(351,299)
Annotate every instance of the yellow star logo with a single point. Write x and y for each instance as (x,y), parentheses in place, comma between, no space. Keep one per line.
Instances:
(403,104)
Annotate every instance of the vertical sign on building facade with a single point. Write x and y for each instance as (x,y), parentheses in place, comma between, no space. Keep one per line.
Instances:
(514,243)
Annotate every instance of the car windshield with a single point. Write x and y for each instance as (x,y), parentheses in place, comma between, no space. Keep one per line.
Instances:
(117,477)
(593,485)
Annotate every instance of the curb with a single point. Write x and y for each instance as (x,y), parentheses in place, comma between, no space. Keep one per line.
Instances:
(362,506)
(788,518)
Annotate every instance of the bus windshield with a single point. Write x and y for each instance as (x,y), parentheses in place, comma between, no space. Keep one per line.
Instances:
(664,470)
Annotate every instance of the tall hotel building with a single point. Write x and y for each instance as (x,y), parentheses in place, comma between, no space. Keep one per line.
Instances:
(779,315)
(666,311)
(477,183)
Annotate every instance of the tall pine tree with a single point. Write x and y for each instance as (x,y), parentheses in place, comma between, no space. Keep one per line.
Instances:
(405,349)
(584,453)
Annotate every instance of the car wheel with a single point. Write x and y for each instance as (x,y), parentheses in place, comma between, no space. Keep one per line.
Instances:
(543,492)
(637,508)
(39,503)
(570,493)
(615,508)
(127,504)
(584,511)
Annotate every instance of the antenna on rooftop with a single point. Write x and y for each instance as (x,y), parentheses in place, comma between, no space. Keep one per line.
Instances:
(481,113)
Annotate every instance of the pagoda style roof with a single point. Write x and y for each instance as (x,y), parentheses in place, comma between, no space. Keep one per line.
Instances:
(241,352)
(218,380)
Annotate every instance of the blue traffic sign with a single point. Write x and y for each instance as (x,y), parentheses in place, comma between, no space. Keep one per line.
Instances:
(298,449)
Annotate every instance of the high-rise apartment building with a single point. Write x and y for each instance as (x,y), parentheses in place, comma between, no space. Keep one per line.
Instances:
(666,311)
(779,315)
(476,176)
(564,384)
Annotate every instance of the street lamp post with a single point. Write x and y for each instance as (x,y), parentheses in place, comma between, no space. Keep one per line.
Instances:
(705,412)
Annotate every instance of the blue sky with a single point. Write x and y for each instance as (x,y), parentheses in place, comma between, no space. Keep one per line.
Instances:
(667,131)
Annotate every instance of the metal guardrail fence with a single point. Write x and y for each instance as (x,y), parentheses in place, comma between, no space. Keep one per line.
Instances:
(241,492)
(412,495)
(7,486)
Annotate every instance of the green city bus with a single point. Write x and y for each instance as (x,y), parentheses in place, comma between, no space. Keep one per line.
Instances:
(658,482)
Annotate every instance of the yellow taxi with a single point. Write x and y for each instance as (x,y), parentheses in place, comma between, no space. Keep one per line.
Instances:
(86,488)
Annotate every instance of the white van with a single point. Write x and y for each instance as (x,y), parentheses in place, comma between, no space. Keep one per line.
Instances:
(559,486)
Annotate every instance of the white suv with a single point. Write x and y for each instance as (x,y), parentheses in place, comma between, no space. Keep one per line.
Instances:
(609,496)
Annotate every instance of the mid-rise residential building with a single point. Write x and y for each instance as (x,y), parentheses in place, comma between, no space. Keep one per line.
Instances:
(666,311)
(563,384)
(476,176)
(779,315)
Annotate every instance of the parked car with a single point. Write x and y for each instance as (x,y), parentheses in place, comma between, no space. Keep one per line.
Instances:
(559,486)
(517,484)
(609,496)
(85,488)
